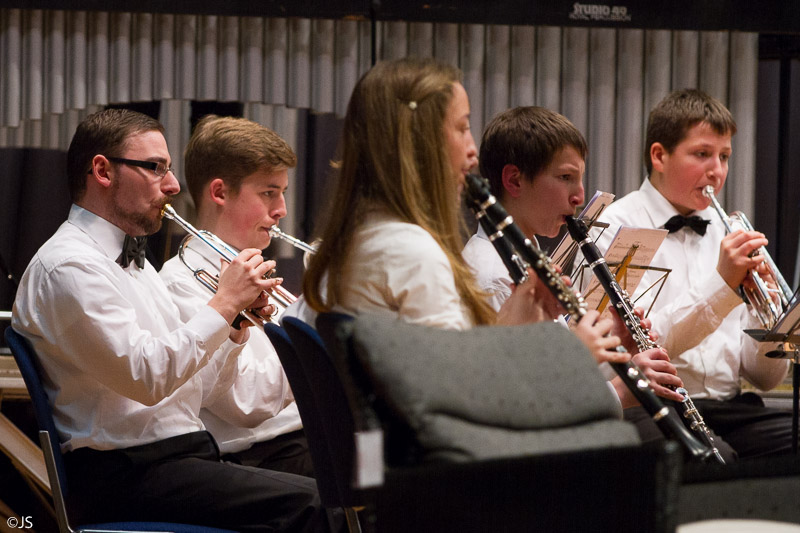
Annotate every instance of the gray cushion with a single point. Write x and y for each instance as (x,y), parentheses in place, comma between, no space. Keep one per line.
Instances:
(490,391)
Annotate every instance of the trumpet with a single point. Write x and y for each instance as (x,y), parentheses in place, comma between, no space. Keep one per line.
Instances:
(275,231)
(277,296)
(759,296)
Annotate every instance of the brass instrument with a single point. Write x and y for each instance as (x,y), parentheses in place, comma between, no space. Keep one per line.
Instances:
(277,296)
(759,296)
(275,231)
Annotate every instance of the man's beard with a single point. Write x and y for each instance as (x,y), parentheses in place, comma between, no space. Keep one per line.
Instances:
(145,225)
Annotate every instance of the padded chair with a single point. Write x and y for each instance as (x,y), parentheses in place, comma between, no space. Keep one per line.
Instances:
(475,471)
(330,447)
(29,368)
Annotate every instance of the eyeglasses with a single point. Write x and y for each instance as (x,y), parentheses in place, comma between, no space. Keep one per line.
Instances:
(160,168)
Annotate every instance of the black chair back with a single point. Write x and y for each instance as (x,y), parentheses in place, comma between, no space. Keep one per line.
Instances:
(28,365)
(331,400)
(310,414)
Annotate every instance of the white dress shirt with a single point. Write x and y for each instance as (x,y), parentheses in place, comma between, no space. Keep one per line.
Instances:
(399,269)
(490,272)
(260,405)
(699,318)
(120,368)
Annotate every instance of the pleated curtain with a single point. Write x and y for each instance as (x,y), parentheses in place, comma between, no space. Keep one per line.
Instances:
(59,66)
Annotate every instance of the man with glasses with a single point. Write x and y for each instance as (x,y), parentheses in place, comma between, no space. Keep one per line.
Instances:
(121,368)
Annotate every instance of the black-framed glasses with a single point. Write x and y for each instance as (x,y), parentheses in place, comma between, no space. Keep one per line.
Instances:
(160,168)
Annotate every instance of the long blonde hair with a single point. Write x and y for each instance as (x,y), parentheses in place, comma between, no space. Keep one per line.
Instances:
(394,156)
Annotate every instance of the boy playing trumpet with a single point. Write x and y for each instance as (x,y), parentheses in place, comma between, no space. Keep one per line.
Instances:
(237,173)
(699,314)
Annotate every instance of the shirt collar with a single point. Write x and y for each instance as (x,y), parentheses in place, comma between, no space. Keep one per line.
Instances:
(108,236)
(481,233)
(660,210)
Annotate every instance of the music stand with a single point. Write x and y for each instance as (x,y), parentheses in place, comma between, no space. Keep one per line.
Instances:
(630,271)
(785,331)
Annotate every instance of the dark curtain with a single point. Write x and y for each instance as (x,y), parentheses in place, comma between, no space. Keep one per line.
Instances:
(34,201)
(778,150)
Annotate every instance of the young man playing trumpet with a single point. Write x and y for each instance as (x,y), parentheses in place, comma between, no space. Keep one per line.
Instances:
(699,313)
(237,173)
(533,159)
(121,369)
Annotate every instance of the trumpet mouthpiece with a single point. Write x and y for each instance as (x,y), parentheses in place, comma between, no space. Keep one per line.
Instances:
(168,211)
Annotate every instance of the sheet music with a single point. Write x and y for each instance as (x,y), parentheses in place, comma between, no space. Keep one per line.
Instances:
(641,244)
(564,251)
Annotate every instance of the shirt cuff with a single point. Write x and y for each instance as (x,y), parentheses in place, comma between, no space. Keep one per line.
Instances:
(210,326)
(720,297)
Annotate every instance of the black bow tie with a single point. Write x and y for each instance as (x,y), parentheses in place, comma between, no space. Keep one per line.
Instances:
(133,249)
(695,222)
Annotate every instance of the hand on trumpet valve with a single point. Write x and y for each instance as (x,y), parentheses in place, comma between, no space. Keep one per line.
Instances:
(736,257)
(765,273)
(597,334)
(243,284)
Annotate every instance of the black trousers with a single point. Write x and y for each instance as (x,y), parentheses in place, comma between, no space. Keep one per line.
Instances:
(751,429)
(181,479)
(742,426)
(284,453)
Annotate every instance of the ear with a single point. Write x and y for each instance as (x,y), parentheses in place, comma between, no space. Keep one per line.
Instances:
(101,171)
(512,180)
(218,191)
(657,154)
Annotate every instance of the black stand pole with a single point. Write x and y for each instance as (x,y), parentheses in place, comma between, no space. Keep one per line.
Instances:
(795,400)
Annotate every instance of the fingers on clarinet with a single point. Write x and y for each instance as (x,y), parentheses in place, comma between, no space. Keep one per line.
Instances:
(619,357)
(664,392)
(666,380)
(672,395)
(612,341)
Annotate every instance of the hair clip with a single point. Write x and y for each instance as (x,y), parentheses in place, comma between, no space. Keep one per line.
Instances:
(412,105)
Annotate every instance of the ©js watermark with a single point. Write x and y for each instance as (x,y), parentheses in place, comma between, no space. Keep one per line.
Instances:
(20,522)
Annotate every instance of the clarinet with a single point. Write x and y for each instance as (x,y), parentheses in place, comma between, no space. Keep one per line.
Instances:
(622,303)
(502,228)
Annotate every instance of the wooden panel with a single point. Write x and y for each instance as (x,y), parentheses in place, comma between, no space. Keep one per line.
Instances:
(24,454)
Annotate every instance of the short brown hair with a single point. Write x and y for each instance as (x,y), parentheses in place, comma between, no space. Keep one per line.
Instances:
(105,133)
(232,148)
(679,112)
(527,137)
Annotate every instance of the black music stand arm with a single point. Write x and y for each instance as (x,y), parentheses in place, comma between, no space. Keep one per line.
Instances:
(795,400)
(789,349)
